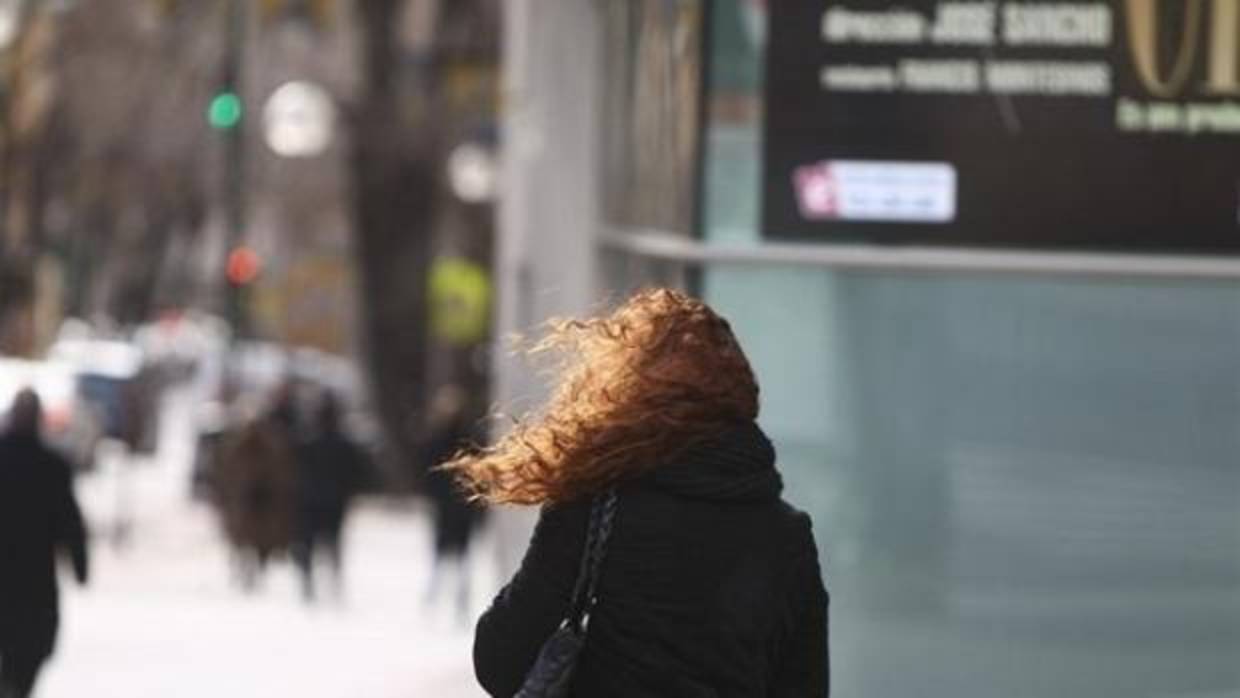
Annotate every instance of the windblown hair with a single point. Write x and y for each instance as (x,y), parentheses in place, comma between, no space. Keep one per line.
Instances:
(661,373)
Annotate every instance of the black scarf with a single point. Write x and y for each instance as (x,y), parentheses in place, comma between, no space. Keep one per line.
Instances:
(738,465)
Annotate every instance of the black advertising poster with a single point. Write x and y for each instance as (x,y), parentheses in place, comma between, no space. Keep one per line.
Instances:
(1082,126)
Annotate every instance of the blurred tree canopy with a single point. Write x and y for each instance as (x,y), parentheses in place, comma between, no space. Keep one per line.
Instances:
(110,175)
(101,155)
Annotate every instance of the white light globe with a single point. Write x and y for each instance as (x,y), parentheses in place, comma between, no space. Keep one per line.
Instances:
(471,172)
(299,120)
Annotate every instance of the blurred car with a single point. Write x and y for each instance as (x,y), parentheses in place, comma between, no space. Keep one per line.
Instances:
(176,342)
(72,425)
(113,377)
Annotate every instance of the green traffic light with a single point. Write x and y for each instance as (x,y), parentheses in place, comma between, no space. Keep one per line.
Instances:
(224,110)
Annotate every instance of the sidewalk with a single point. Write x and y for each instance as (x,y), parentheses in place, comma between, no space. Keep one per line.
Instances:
(160,618)
(162,621)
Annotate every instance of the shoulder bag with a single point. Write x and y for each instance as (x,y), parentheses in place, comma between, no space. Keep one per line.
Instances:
(552,672)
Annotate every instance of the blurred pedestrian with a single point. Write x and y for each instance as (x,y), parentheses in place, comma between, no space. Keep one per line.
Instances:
(39,516)
(700,579)
(284,412)
(330,471)
(451,430)
(255,492)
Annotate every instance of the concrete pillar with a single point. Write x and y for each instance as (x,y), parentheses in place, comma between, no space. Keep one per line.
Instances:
(548,211)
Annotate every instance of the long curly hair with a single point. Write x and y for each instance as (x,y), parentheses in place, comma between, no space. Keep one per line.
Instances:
(660,373)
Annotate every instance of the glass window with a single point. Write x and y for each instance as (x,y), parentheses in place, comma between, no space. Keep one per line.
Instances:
(1022,486)
(653,64)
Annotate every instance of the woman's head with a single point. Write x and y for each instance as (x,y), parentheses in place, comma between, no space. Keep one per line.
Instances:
(633,387)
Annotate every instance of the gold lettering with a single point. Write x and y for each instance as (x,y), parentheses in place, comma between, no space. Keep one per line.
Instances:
(1224,26)
(1143,40)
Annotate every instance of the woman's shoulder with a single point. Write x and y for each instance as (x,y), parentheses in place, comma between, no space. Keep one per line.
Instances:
(648,510)
(563,523)
(793,518)
(796,527)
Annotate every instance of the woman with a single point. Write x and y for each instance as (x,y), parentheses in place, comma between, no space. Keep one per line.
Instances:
(710,585)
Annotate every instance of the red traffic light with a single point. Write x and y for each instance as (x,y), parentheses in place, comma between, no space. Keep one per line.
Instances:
(243,266)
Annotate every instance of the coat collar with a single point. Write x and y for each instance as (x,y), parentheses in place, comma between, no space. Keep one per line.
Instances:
(737,465)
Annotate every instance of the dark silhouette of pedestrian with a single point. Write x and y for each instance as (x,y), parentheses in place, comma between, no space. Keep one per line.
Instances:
(455,519)
(39,517)
(709,582)
(255,494)
(330,471)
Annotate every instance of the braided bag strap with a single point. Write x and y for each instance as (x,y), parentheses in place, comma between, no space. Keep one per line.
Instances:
(585,591)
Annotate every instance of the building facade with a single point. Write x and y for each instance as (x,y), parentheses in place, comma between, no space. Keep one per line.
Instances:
(1021,466)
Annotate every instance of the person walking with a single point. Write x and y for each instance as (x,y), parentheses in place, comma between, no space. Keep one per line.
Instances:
(707,582)
(455,520)
(39,516)
(255,492)
(330,471)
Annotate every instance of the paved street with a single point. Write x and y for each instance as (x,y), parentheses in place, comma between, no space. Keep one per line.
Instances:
(161,620)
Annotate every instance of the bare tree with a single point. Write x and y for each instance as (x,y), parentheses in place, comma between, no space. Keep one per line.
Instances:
(133,82)
(407,117)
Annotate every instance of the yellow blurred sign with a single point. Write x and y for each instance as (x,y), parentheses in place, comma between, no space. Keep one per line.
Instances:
(460,300)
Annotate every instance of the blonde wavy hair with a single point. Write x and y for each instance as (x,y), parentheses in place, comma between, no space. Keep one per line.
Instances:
(632,388)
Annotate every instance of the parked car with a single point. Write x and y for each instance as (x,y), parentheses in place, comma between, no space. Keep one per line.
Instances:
(176,342)
(112,376)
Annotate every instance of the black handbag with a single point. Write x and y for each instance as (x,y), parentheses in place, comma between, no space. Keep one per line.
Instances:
(552,672)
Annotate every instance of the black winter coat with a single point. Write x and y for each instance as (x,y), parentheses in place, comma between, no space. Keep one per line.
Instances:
(455,518)
(331,470)
(38,517)
(710,588)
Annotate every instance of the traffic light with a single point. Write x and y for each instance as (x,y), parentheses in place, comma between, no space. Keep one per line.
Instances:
(244,266)
(224,111)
